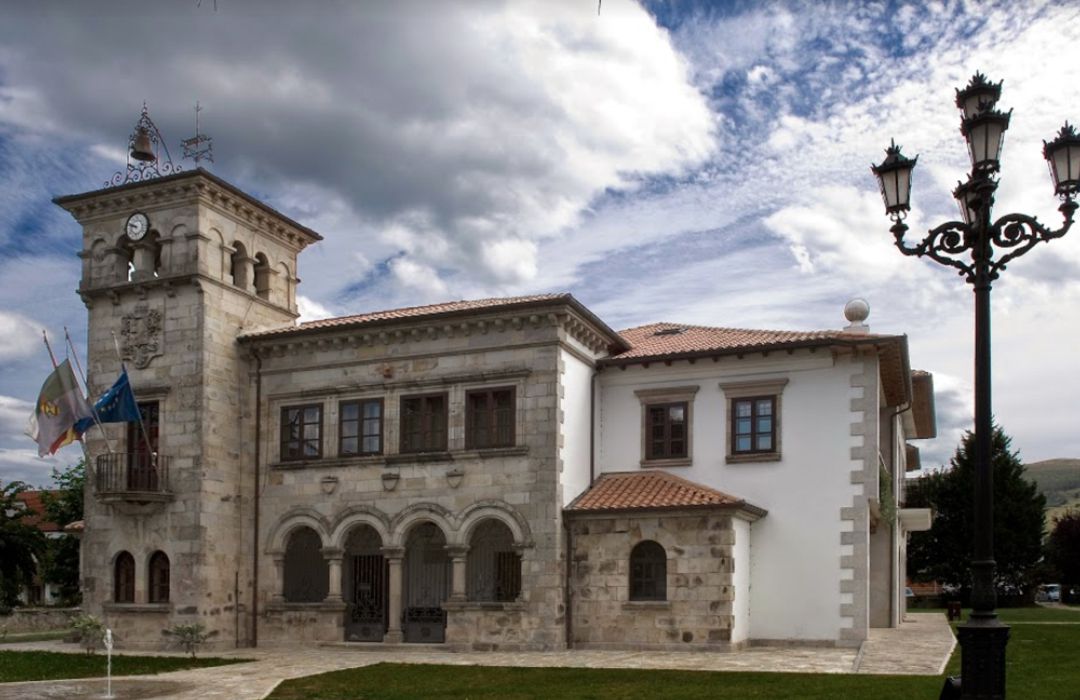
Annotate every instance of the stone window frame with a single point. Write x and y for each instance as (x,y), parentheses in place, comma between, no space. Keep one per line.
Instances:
(753,389)
(359,402)
(157,578)
(403,447)
(470,438)
(282,455)
(123,580)
(654,570)
(667,395)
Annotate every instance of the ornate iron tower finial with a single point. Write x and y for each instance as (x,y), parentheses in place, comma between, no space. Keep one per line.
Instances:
(146,146)
(200,146)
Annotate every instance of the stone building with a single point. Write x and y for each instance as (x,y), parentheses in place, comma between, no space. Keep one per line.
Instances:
(494,474)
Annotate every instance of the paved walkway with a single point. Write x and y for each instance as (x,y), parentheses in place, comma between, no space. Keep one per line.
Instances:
(920,646)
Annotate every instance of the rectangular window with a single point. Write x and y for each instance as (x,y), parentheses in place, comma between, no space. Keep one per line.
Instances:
(143,441)
(301,432)
(423,423)
(489,418)
(666,426)
(753,428)
(361,427)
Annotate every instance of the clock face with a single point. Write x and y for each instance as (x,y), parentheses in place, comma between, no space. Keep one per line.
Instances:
(137,226)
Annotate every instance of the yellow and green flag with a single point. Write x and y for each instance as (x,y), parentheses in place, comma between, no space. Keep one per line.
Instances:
(60,406)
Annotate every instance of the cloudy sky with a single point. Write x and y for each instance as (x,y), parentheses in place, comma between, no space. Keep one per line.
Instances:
(679,161)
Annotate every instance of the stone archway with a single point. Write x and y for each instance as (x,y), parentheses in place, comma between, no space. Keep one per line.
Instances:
(365,586)
(427,584)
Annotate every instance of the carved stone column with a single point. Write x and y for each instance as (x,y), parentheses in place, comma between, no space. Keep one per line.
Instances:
(394,558)
(278,595)
(333,560)
(458,559)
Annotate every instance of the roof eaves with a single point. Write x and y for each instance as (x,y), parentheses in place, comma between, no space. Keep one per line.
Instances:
(64,200)
(827,341)
(565,298)
(733,506)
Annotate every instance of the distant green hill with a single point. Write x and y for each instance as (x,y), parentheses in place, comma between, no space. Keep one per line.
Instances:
(1059,481)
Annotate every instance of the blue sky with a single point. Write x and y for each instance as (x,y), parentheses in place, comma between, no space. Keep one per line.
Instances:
(681,161)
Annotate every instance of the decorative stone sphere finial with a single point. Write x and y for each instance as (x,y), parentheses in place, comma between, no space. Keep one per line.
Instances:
(856,311)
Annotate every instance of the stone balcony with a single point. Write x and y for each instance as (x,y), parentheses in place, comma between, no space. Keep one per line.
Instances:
(136,478)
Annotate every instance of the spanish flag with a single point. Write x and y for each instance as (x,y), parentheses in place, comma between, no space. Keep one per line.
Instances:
(60,406)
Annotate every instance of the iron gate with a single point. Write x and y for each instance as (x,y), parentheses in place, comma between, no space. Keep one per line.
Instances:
(365,616)
(427,585)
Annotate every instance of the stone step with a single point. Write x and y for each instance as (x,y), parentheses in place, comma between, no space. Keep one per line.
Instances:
(386,647)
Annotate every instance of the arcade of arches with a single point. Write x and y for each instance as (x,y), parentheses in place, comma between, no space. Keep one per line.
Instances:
(398,593)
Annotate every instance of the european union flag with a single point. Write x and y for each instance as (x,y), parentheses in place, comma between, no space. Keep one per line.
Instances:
(117,405)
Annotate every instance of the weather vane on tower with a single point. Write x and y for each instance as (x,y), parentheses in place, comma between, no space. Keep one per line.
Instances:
(200,146)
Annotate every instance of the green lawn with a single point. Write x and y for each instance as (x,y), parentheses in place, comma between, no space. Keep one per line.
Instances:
(1066,613)
(50,665)
(1042,663)
(32,636)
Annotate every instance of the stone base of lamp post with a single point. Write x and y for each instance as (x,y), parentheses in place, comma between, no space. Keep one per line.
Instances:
(982,658)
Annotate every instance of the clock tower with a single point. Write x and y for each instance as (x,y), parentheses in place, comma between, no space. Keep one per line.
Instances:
(174,268)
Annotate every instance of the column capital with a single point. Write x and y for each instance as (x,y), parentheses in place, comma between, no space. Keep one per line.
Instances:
(457,551)
(330,553)
(392,552)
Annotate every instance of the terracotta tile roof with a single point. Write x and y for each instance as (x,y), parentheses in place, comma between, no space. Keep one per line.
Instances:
(649,490)
(36,518)
(436,310)
(660,340)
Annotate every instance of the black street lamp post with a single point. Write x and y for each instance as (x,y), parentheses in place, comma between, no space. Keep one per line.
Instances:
(970,246)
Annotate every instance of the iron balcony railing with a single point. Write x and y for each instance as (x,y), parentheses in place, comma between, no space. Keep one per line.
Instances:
(132,473)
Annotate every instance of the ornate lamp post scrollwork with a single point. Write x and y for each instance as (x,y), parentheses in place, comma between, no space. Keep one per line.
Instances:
(979,249)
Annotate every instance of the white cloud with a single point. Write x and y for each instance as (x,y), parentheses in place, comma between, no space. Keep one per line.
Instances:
(495,122)
(311,310)
(19,336)
(419,277)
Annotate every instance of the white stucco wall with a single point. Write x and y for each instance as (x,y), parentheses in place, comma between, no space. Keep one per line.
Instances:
(740,628)
(797,550)
(576,381)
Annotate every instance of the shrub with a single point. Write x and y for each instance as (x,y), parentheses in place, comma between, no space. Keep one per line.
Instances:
(91,631)
(190,637)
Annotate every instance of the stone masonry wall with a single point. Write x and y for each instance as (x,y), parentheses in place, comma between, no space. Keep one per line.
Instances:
(394,492)
(698,612)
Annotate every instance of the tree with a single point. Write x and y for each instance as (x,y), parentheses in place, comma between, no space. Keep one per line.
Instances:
(20,544)
(944,552)
(64,505)
(1063,547)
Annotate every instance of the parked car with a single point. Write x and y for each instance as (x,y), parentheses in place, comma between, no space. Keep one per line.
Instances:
(1049,593)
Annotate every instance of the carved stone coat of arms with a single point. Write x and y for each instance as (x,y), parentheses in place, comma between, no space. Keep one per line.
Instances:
(141,333)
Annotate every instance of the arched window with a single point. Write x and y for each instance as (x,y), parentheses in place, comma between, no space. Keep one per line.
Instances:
(493,568)
(307,577)
(262,276)
(124,578)
(239,264)
(158,571)
(648,572)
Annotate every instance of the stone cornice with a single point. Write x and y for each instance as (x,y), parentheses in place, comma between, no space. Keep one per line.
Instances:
(403,331)
(188,187)
(434,382)
(167,283)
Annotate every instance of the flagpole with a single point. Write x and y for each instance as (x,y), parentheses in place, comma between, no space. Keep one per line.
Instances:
(52,357)
(86,383)
(142,426)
